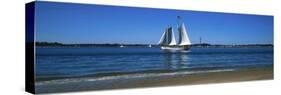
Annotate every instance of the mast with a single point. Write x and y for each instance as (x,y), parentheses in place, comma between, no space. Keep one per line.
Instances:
(200,40)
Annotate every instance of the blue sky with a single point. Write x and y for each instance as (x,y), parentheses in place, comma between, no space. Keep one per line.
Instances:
(85,23)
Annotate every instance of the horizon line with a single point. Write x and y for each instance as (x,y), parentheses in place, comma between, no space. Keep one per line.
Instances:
(156,44)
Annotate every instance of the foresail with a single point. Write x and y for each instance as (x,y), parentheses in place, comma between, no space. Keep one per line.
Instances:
(184,39)
(163,39)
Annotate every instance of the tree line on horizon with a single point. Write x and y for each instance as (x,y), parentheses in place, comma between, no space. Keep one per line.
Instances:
(119,44)
(105,44)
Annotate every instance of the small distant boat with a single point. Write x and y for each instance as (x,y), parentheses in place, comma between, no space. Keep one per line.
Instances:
(168,40)
(150,45)
(121,46)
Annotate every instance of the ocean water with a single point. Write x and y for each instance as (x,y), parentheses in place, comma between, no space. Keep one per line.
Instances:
(64,63)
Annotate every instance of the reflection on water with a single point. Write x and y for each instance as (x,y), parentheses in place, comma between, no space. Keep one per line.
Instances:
(175,59)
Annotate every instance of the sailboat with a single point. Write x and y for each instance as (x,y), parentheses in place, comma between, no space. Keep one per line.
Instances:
(168,40)
(121,46)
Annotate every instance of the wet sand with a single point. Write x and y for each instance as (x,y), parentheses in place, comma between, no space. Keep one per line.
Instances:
(180,79)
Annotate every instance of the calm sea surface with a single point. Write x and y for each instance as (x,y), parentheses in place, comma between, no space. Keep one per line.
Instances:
(53,63)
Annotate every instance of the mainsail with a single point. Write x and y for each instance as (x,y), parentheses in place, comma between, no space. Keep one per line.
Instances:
(171,37)
(183,36)
(168,37)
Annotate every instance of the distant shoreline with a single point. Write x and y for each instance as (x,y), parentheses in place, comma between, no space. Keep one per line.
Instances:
(203,45)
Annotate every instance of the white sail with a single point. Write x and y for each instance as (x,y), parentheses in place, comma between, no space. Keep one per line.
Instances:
(172,39)
(163,39)
(183,36)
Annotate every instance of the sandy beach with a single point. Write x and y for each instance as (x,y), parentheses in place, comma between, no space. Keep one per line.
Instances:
(85,84)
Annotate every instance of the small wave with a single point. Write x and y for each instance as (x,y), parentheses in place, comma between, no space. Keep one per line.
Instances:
(128,76)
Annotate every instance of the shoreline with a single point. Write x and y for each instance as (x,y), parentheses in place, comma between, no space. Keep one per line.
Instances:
(151,71)
(145,47)
(262,73)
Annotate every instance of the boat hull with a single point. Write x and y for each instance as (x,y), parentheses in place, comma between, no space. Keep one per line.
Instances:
(175,47)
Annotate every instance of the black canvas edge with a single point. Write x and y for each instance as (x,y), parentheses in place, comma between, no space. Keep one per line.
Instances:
(29,47)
